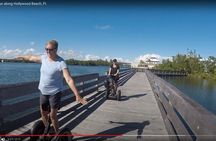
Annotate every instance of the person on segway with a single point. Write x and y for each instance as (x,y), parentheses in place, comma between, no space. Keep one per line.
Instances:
(114,73)
(53,70)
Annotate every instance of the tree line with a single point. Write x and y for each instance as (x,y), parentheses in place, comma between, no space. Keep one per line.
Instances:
(192,63)
(88,62)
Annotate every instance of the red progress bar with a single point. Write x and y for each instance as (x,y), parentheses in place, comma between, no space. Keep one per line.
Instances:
(84,135)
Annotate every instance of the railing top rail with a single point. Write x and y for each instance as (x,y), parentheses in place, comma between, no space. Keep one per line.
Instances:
(36,82)
(20,89)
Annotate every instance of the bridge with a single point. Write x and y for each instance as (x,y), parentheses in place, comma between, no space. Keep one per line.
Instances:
(150,109)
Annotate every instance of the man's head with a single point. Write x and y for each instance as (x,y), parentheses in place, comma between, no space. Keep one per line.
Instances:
(115,60)
(51,48)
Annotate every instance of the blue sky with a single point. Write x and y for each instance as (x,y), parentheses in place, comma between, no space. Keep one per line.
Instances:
(124,32)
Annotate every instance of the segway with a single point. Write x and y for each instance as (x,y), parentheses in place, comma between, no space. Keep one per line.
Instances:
(42,131)
(111,93)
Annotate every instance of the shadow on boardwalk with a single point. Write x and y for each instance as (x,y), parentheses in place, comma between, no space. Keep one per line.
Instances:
(124,128)
(76,114)
(85,111)
(124,98)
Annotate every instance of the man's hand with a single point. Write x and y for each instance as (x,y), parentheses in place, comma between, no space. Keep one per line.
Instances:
(81,100)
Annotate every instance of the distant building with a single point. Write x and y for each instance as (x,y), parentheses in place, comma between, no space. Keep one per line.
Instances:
(149,62)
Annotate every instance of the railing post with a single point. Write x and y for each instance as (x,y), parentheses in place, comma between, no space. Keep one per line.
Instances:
(82,83)
(97,83)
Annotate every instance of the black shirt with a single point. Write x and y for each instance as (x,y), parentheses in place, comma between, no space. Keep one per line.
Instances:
(114,69)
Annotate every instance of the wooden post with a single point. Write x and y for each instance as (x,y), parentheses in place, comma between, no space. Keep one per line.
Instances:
(97,84)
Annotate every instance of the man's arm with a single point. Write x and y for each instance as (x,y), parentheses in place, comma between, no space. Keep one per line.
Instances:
(116,72)
(109,73)
(71,84)
(33,58)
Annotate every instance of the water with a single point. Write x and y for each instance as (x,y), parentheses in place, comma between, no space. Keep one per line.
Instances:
(11,73)
(200,90)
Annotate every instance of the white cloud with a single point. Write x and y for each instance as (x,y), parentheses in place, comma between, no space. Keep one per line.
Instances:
(119,59)
(103,27)
(29,51)
(106,58)
(70,54)
(128,61)
(165,58)
(67,54)
(146,56)
(10,53)
(202,59)
(79,57)
(91,57)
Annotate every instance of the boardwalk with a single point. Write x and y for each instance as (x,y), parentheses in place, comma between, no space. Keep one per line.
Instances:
(136,117)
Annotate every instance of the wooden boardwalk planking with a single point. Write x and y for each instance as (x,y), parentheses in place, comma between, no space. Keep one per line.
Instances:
(136,115)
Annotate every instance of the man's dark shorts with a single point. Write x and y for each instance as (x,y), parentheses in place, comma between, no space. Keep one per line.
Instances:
(50,100)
